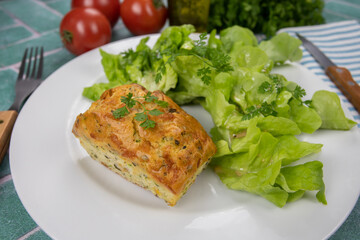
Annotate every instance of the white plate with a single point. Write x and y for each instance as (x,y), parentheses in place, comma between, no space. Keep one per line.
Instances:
(71,196)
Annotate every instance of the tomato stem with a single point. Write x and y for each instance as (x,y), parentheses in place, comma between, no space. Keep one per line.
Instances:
(67,36)
(158,3)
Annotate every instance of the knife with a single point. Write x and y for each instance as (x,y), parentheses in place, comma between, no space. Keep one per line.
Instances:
(7,121)
(339,75)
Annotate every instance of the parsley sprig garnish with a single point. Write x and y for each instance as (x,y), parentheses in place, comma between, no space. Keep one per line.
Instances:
(130,101)
(212,59)
(265,87)
(265,109)
(298,93)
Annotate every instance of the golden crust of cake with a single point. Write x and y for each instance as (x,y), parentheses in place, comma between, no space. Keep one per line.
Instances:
(172,153)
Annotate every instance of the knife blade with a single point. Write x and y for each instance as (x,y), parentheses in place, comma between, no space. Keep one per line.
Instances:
(340,76)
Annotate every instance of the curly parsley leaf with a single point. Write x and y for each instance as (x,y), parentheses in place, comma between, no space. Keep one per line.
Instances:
(140,116)
(130,101)
(219,60)
(251,113)
(155,112)
(150,98)
(278,84)
(204,74)
(200,47)
(161,103)
(148,124)
(120,112)
(129,56)
(265,110)
(158,77)
(308,103)
(299,92)
(265,87)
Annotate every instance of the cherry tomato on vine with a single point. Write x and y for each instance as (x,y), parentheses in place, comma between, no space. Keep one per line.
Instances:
(110,8)
(143,16)
(83,29)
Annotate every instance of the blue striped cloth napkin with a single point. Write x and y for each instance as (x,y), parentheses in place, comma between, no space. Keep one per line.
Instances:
(340,41)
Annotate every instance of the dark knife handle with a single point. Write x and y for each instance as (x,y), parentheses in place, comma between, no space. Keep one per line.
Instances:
(344,81)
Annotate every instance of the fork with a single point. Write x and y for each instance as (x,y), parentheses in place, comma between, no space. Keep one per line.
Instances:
(27,82)
(29,78)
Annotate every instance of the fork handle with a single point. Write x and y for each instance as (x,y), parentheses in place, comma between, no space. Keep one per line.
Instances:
(7,121)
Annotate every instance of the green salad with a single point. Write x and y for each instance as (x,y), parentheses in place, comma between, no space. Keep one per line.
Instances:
(257,114)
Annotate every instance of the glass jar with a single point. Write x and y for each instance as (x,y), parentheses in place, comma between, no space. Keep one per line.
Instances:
(195,12)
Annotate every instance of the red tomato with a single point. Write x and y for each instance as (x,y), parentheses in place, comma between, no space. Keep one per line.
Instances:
(83,29)
(110,8)
(142,17)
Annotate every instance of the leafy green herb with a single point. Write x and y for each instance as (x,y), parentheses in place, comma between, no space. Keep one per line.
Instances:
(265,109)
(264,16)
(158,76)
(219,60)
(171,54)
(140,116)
(204,73)
(120,112)
(251,113)
(130,101)
(161,103)
(200,47)
(150,98)
(308,103)
(148,124)
(265,87)
(268,109)
(299,92)
(129,56)
(155,112)
(279,86)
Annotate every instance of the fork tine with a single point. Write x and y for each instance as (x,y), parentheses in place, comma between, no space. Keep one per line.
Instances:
(24,88)
(40,68)
(29,64)
(22,66)
(34,64)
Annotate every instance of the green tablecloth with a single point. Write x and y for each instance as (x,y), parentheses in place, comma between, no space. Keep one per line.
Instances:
(26,23)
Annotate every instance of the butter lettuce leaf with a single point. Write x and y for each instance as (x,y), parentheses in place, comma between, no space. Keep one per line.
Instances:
(327,105)
(278,126)
(250,57)
(260,182)
(175,37)
(290,149)
(186,68)
(219,108)
(307,176)
(113,68)
(246,138)
(223,149)
(282,47)
(95,91)
(239,35)
(307,119)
